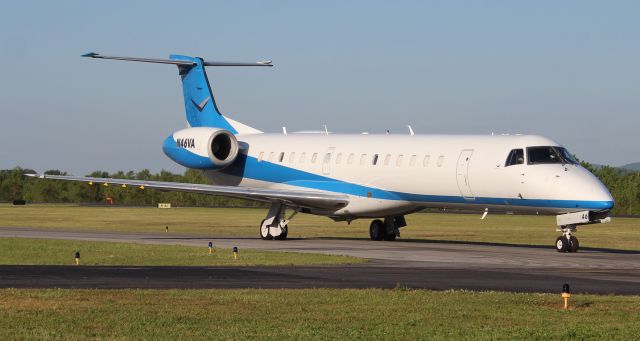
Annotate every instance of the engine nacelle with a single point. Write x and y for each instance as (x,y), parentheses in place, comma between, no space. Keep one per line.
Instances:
(202,147)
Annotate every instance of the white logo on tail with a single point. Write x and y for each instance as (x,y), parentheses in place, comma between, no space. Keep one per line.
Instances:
(202,104)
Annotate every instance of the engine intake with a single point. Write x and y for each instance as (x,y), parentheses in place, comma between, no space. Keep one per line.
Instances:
(223,148)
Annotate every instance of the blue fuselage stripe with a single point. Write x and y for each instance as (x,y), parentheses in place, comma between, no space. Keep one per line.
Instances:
(249,167)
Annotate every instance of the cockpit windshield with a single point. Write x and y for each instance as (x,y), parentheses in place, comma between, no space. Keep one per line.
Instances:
(550,154)
(516,157)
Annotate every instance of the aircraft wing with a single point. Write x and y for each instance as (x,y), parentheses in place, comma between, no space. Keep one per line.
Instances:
(300,198)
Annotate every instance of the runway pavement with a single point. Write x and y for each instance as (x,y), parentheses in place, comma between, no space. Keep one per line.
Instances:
(411,263)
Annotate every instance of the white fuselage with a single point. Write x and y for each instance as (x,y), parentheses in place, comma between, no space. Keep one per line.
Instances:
(398,174)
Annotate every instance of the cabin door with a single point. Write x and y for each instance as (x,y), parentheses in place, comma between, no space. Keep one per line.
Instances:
(462,174)
(326,161)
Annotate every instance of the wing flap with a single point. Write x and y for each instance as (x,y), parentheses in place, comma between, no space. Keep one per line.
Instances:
(311,199)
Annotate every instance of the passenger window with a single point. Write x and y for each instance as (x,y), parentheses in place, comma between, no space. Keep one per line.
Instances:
(425,162)
(302,157)
(516,157)
(270,156)
(260,156)
(350,159)
(338,158)
(387,159)
(374,161)
(440,160)
(399,160)
(363,159)
(292,157)
(314,157)
(412,161)
(281,157)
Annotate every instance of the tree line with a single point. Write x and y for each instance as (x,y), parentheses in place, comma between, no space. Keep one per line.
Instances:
(624,186)
(14,185)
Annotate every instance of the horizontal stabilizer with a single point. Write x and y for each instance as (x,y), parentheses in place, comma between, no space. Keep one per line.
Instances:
(175,62)
(200,106)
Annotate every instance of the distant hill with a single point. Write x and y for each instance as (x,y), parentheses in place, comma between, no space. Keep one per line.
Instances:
(632,166)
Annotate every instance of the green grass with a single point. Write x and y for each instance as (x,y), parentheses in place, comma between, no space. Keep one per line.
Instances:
(293,314)
(19,251)
(312,314)
(622,233)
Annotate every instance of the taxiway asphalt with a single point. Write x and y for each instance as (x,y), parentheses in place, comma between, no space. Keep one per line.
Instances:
(425,264)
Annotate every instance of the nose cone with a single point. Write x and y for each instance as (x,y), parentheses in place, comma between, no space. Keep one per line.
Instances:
(566,188)
(600,198)
(605,203)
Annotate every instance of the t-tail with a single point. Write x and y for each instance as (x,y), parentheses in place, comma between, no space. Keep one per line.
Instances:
(199,103)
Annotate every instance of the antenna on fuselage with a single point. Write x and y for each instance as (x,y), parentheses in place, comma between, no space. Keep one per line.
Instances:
(326,131)
(284,130)
(484,215)
(410,130)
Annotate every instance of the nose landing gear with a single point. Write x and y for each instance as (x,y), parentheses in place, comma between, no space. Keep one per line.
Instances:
(567,242)
(568,225)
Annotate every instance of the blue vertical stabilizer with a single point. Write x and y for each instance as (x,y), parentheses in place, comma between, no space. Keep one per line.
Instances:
(199,104)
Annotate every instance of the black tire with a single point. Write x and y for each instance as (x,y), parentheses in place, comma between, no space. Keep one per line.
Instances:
(562,244)
(268,236)
(574,245)
(376,230)
(390,236)
(283,235)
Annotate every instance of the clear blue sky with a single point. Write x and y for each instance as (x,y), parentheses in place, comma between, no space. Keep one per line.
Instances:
(568,70)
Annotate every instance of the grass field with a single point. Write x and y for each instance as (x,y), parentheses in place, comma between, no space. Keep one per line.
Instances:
(312,314)
(622,233)
(20,251)
(293,314)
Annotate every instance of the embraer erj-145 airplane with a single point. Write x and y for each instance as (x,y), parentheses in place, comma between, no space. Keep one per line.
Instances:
(384,177)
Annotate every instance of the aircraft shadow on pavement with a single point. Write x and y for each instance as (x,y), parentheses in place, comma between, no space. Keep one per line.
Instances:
(459,242)
(199,238)
(421,241)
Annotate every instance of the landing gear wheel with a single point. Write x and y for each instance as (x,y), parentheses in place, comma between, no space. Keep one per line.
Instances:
(574,245)
(264,232)
(283,235)
(562,244)
(390,236)
(376,230)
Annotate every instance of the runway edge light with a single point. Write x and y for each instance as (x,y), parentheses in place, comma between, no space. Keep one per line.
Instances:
(566,293)
(235,252)
(210,247)
(77,257)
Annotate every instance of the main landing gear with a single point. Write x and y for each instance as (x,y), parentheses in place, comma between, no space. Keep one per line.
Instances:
(387,230)
(275,226)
